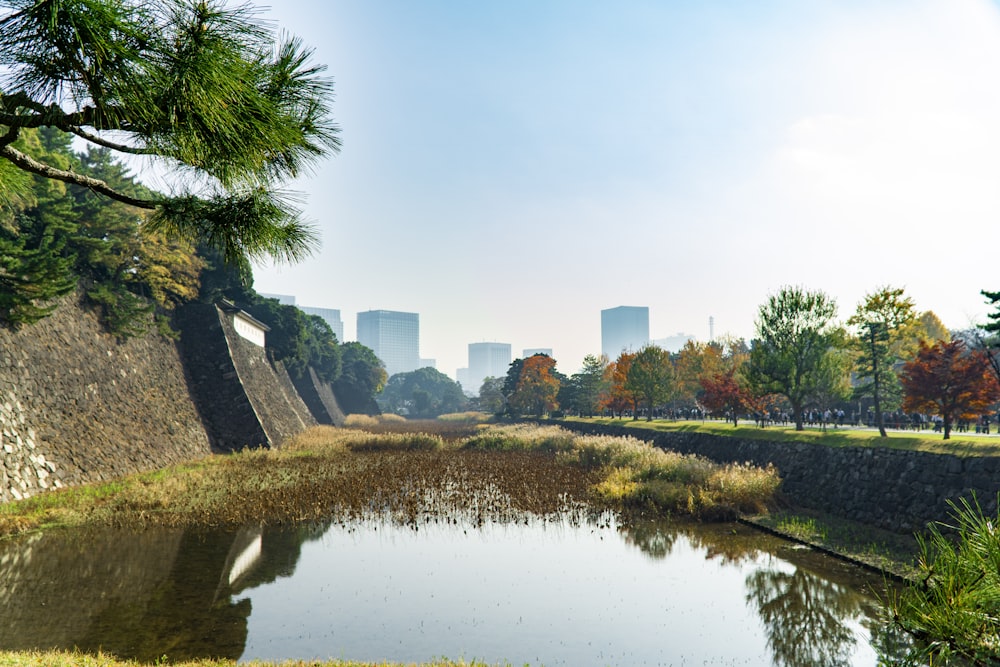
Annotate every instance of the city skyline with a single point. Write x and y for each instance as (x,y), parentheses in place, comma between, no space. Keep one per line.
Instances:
(509,170)
(393,336)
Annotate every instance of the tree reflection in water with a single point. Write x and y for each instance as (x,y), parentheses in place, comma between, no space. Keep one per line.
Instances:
(804,617)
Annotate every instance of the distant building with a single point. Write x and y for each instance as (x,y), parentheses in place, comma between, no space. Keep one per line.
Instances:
(674,343)
(463,378)
(331,316)
(532,351)
(625,328)
(284,299)
(428,363)
(393,336)
(486,360)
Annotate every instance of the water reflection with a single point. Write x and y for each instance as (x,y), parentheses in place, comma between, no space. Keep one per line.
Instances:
(138,595)
(810,617)
(190,595)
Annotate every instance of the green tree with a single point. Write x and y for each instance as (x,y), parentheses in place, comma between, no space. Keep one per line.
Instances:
(425,392)
(36,263)
(362,377)
(298,340)
(491,396)
(795,331)
(592,383)
(204,90)
(879,321)
(833,377)
(650,377)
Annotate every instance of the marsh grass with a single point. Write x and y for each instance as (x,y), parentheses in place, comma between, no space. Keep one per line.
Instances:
(470,416)
(522,438)
(637,475)
(323,474)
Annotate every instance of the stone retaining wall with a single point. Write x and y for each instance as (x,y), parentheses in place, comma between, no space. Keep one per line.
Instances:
(77,405)
(243,399)
(889,488)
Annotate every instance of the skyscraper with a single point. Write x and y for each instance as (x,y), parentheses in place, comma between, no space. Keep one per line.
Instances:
(486,360)
(394,337)
(624,328)
(331,316)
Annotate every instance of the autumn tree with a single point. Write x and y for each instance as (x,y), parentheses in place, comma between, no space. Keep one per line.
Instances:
(199,88)
(948,380)
(694,362)
(619,396)
(537,386)
(931,329)
(795,331)
(879,320)
(724,394)
(650,377)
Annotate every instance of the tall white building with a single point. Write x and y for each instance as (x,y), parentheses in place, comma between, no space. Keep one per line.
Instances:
(393,336)
(486,360)
(625,328)
(331,316)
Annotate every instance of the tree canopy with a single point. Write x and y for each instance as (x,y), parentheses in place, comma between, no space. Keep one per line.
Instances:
(203,90)
(795,331)
(425,392)
(650,376)
(947,380)
(880,320)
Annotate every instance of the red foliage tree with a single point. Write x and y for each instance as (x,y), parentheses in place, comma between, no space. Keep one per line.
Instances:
(947,380)
(723,394)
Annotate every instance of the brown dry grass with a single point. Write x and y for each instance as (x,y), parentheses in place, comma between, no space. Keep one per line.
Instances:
(457,472)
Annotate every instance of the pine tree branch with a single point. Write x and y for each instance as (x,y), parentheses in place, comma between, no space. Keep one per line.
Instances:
(115,146)
(33,166)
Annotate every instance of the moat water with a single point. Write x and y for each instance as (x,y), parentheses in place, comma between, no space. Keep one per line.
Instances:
(542,592)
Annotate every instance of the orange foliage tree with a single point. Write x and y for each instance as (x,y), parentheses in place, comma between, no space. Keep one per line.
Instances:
(618,397)
(537,386)
(947,380)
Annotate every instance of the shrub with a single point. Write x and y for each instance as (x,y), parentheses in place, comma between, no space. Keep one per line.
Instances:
(952,608)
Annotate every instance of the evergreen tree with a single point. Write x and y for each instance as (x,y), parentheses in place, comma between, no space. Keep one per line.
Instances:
(204,90)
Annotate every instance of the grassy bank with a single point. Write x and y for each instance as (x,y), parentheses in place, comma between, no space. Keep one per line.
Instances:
(960,444)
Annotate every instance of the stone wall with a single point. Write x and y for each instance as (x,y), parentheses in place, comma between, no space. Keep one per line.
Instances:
(243,399)
(889,488)
(319,397)
(77,405)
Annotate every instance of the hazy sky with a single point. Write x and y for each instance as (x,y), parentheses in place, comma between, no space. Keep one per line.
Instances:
(512,168)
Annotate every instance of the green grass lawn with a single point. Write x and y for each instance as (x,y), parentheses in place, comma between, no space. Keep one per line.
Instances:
(960,444)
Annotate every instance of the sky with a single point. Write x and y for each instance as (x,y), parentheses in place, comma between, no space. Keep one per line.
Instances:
(509,169)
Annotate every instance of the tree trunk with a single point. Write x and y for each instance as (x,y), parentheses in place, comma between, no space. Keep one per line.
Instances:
(876,386)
